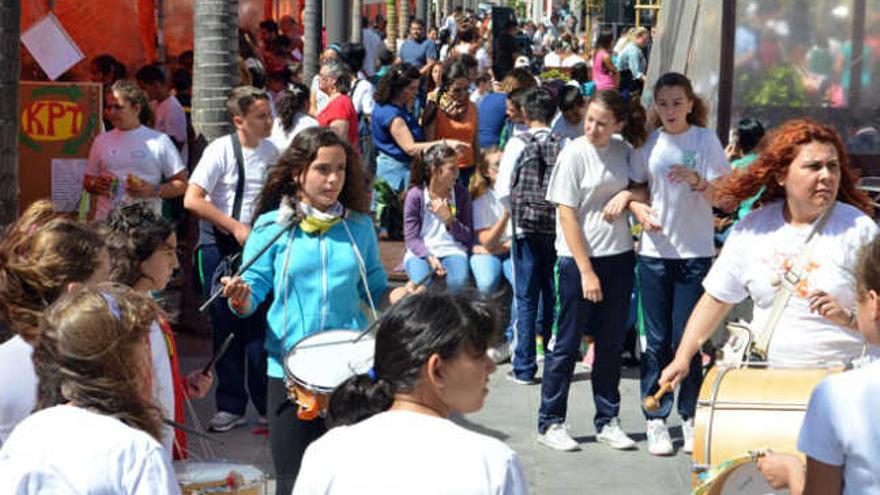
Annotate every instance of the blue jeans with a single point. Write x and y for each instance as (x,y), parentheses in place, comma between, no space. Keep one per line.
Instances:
(487,270)
(607,323)
(457,274)
(534,257)
(392,171)
(464,176)
(669,288)
(241,371)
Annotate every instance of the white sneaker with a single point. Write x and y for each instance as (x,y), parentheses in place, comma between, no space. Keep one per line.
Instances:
(500,353)
(687,431)
(225,421)
(557,437)
(659,442)
(612,435)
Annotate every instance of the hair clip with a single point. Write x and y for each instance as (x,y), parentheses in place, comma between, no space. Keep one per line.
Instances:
(112,305)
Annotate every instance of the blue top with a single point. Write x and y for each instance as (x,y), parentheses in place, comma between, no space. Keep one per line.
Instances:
(315,280)
(417,54)
(380,126)
(632,59)
(491,114)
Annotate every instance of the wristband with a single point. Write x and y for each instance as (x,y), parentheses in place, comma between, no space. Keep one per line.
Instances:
(852,318)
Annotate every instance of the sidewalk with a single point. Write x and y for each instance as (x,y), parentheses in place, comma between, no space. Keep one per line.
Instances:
(510,414)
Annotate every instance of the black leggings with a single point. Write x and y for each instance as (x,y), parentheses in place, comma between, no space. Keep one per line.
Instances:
(288,436)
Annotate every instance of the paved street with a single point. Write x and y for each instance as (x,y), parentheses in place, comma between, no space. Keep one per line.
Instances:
(510,414)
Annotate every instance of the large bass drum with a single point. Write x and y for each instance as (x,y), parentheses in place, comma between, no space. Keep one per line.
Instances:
(749,409)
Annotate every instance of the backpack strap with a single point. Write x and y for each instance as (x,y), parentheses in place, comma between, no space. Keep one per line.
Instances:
(239,186)
(226,242)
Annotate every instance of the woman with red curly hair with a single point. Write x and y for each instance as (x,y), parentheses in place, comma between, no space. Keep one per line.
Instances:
(806,176)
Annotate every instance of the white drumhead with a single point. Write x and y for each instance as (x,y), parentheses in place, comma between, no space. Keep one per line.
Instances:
(194,472)
(745,479)
(326,359)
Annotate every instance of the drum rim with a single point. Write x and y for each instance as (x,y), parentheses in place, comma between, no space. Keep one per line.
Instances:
(290,376)
(183,464)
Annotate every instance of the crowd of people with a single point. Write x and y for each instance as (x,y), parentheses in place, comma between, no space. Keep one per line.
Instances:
(562,187)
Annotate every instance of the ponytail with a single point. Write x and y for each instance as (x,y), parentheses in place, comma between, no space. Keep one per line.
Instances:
(631,113)
(406,337)
(357,399)
(634,129)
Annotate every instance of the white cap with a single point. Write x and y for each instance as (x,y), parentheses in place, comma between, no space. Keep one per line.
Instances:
(522,61)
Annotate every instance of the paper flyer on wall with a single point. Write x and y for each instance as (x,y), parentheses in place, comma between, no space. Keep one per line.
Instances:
(67,179)
(51,46)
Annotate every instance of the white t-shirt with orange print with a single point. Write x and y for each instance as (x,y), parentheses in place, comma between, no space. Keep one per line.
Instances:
(756,256)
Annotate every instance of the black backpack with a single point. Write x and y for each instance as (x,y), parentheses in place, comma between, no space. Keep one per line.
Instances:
(530,211)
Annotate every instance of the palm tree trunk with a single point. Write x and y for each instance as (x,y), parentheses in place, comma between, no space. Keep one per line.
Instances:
(356,27)
(10,66)
(311,38)
(391,25)
(216,69)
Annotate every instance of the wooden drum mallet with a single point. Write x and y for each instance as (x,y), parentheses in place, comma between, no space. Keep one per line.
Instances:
(652,402)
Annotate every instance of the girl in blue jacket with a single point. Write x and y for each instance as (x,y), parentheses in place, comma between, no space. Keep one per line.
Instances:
(319,272)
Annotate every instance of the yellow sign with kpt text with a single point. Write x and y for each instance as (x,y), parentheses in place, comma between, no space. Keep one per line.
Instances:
(57,121)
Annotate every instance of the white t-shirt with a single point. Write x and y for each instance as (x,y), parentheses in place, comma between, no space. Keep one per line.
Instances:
(163,382)
(282,139)
(66,449)
(437,239)
(563,128)
(362,95)
(840,428)
(148,154)
(572,60)
(171,120)
(444,52)
(684,215)
(483,61)
(321,98)
(451,26)
(18,384)
(756,256)
(217,174)
(487,210)
(398,452)
(372,43)
(552,59)
(586,178)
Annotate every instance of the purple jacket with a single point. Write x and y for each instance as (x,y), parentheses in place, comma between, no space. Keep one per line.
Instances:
(462,226)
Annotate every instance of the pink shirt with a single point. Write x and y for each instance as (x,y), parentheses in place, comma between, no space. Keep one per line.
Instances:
(601,76)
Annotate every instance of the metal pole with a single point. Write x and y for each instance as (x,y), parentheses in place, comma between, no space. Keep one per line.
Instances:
(725,83)
(422,10)
(357,32)
(311,38)
(855,55)
(337,20)
(160,31)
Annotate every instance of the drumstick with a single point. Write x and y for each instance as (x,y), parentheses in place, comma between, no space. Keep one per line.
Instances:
(248,264)
(652,403)
(191,431)
(218,354)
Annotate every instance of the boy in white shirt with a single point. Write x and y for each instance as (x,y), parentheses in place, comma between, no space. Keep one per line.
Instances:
(170,117)
(211,195)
